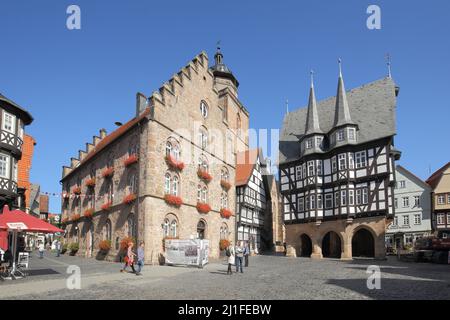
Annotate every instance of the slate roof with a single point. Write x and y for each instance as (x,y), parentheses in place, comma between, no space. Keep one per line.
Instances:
(372,107)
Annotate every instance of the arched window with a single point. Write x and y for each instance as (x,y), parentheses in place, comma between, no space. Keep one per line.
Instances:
(109,192)
(92,172)
(173,149)
(173,228)
(203,164)
(167,183)
(203,138)
(166,227)
(223,232)
(168,148)
(176,152)
(202,193)
(204,109)
(131,226)
(201,229)
(175,186)
(132,182)
(107,231)
(224,200)
(224,175)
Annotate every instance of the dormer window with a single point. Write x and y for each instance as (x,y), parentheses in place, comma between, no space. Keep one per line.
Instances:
(318,141)
(340,135)
(351,134)
(9,122)
(309,143)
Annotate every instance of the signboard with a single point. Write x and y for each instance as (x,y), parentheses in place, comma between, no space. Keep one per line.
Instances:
(16,225)
(187,252)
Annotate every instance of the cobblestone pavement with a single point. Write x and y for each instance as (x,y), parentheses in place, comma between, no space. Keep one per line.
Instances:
(268,277)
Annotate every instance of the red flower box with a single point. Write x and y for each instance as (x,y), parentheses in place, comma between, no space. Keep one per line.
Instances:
(223,244)
(90,183)
(129,199)
(130,160)
(203,207)
(76,190)
(105,245)
(75,217)
(225,184)
(108,172)
(107,206)
(88,213)
(204,175)
(173,200)
(225,213)
(174,164)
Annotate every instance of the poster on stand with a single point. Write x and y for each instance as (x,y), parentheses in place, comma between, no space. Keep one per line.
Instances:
(187,252)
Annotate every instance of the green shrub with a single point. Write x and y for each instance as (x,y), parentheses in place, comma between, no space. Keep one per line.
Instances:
(74,247)
(64,248)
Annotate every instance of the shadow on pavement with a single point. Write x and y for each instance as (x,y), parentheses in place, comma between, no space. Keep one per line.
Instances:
(42,272)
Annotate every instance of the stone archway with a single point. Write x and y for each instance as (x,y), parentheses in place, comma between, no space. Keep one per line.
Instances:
(363,244)
(305,246)
(331,245)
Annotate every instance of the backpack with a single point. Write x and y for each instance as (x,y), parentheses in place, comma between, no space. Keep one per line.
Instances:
(227,252)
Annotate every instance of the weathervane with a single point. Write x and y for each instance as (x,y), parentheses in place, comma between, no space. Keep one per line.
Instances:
(388,62)
(340,66)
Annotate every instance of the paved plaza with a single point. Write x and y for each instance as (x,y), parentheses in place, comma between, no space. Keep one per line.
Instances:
(268,277)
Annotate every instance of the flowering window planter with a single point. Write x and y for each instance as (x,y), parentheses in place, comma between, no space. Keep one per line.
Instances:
(108,172)
(107,206)
(75,217)
(225,184)
(89,213)
(105,245)
(130,160)
(204,175)
(76,190)
(225,213)
(174,164)
(173,200)
(129,199)
(203,207)
(90,183)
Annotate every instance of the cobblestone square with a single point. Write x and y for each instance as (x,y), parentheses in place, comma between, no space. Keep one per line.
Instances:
(267,277)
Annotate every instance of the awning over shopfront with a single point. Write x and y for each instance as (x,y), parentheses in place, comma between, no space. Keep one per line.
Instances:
(19,220)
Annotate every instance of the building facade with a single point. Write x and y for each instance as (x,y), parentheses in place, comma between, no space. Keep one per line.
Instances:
(412,202)
(256,202)
(337,172)
(12,131)
(167,173)
(440,197)
(24,185)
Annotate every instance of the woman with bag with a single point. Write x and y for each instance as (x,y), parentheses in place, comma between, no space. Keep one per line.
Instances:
(129,258)
(231,257)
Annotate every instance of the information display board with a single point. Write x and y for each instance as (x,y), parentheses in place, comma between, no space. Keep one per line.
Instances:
(187,252)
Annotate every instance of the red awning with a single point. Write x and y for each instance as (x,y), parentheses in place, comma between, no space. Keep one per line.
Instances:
(17,219)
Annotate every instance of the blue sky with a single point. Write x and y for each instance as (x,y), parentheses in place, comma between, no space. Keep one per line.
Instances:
(76,82)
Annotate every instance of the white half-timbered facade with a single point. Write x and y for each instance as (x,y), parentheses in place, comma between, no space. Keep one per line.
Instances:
(337,163)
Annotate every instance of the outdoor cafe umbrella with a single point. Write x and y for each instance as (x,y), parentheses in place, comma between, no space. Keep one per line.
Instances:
(19,221)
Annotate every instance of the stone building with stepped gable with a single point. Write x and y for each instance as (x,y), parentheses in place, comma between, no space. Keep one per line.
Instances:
(167,173)
(337,171)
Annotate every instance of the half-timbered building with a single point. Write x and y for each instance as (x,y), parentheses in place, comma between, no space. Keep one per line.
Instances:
(337,171)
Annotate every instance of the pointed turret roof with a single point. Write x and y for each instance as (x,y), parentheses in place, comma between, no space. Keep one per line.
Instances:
(219,68)
(342,113)
(312,119)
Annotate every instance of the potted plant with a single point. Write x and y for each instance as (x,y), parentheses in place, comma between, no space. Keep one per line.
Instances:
(89,213)
(174,164)
(223,244)
(130,160)
(225,184)
(90,183)
(225,213)
(203,207)
(74,247)
(108,172)
(104,247)
(204,175)
(64,248)
(128,199)
(106,206)
(76,190)
(173,200)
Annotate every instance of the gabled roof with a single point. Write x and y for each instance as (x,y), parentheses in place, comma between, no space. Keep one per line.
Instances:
(245,163)
(372,108)
(434,179)
(412,176)
(113,136)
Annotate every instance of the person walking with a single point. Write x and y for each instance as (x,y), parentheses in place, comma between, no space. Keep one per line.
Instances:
(58,248)
(239,257)
(41,248)
(129,258)
(140,258)
(231,257)
(246,253)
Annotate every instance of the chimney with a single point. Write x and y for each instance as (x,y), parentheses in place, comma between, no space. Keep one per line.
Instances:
(102,133)
(141,103)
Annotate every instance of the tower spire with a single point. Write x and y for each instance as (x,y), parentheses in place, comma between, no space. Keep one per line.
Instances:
(388,62)
(342,115)
(312,119)
(287,106)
